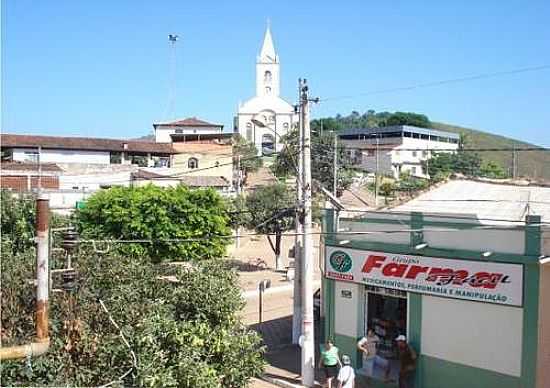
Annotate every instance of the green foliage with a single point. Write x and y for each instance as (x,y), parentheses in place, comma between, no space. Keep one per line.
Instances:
(181,322)
(157,214)
(463,162)
(322,160)
(492,170)
(248,152)
(370,119)
(272,211)
(386,189)
(238,212)
(17,222)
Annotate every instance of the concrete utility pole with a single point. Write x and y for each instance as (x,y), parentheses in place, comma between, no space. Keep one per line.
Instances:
(297,300)
(308,332)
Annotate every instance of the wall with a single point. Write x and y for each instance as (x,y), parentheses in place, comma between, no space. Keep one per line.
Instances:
(26,183)
(64,156)
(162,134)
(207,155)
(481,335)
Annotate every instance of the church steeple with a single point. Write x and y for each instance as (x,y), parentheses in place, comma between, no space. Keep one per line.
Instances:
(267,68)
(267,53)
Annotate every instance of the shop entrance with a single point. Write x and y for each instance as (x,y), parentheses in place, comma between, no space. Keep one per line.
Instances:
(386,315)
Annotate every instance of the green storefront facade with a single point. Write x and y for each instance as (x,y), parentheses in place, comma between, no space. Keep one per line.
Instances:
(461,341)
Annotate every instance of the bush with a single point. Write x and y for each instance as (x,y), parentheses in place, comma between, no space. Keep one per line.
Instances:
(159,214)
(185,332)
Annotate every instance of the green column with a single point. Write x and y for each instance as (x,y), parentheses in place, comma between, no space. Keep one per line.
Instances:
(531,279)
(415,301)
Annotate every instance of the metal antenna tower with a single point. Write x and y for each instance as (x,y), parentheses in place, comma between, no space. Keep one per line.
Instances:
(172,39)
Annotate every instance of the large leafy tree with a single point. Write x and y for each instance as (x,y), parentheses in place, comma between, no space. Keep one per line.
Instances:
(272,211)
(161,215)
(322,160)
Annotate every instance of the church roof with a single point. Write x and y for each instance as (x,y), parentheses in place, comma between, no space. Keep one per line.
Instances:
(190,121)
(267,53)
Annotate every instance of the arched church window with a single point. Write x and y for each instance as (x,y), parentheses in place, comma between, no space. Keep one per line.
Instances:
(285,126)
(267,77)
(272,118)
(193,163)
(249,131)
(267,90)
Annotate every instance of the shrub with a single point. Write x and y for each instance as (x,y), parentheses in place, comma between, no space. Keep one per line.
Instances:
(159,214)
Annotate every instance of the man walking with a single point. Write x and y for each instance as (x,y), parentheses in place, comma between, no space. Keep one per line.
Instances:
(346,375)
(407,363)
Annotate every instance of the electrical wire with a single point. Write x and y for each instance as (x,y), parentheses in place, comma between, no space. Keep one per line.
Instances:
(439,83)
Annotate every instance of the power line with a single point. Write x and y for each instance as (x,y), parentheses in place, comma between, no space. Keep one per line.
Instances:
(441,82)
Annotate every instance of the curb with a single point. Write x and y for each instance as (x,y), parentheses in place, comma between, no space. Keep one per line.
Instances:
(284,383)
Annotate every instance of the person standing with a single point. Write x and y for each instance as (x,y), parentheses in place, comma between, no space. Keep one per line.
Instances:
(329,361)
(346,376)
(369,347)
(407,362)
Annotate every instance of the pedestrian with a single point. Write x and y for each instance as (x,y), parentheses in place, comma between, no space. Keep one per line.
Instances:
(407,362)
(346,376)
(368,345)
(329,361)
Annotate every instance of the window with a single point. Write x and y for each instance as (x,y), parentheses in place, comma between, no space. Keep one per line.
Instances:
(285,126)
(267,77)
(193,163)
(416,135)
(140,160)
(115,158)
(249,131)
(425,154)
(414,154)
(267,90)
(31,156)
(413,170)
(424,137)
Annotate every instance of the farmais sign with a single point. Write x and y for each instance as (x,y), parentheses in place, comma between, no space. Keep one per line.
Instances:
(461,279)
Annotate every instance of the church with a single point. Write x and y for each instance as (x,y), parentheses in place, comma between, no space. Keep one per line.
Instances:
(266,106)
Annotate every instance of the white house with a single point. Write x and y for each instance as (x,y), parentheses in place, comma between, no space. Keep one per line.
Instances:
(396,149)
(267,105)
(164,132)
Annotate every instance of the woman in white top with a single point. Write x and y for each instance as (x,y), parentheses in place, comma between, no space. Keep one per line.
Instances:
(346,375)
(368,345)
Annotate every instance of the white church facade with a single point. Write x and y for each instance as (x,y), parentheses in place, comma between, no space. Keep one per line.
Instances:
(267,106)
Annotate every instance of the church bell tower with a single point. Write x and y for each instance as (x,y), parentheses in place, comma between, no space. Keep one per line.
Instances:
(267,68)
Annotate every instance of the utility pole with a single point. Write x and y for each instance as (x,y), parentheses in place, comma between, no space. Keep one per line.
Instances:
(238,190)
(308,332)
(335,172)
(514,163)
(297,300)
(376,174)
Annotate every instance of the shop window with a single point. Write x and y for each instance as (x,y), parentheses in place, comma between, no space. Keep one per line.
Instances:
(193,163)
(115,158)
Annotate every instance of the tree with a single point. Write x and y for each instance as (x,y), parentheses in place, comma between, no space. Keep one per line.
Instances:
(159,214)
(248,153)
(182,322)
(386,189)
(272,211)
(492,170)
(322,160)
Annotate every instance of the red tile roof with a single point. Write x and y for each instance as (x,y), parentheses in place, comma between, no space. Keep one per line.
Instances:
(190,121)
(84,143)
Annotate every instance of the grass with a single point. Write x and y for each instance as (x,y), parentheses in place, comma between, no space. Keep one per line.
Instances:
(532,164)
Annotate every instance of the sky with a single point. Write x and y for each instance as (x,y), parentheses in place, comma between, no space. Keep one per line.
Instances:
(102,68)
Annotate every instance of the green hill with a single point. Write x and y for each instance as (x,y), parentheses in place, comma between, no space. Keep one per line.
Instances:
(533,164)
